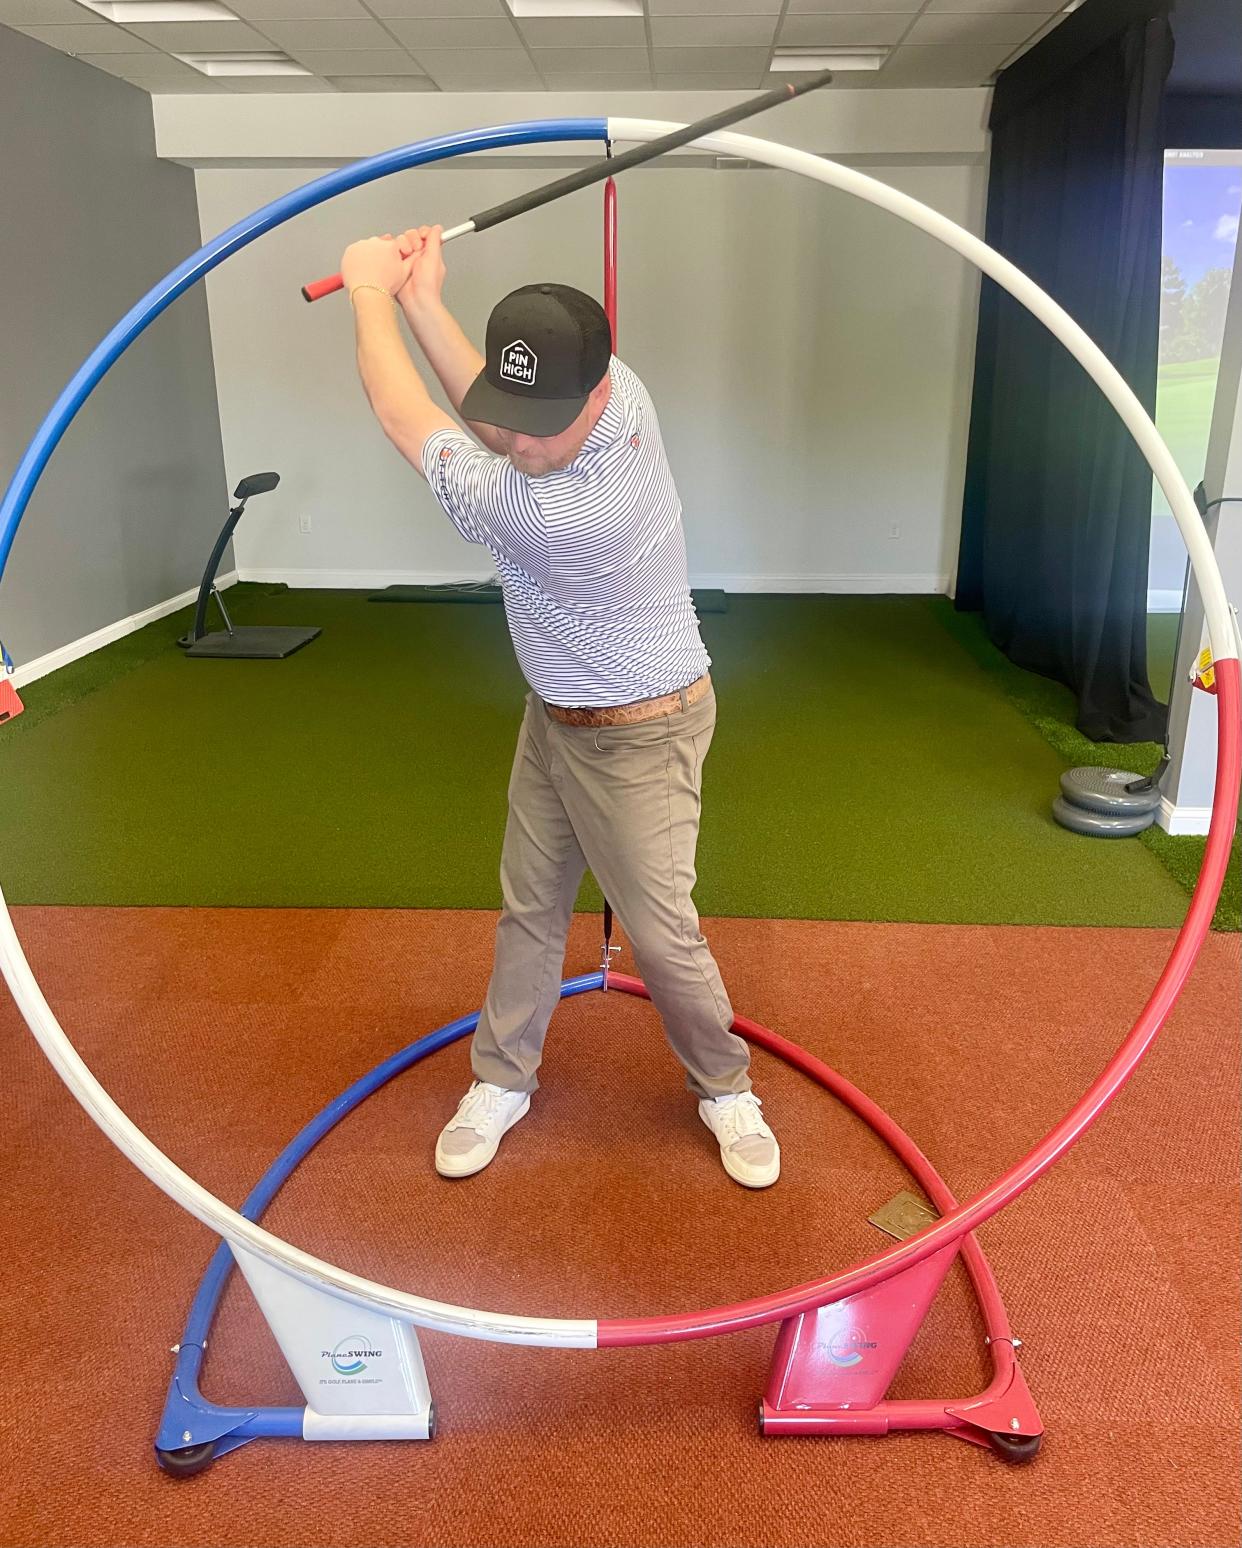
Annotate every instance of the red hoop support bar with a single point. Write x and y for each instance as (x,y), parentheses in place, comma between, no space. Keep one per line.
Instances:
(610,257)
(969,1216)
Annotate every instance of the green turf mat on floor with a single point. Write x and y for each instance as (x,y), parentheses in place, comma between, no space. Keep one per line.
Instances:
(864,768)
(1051,707)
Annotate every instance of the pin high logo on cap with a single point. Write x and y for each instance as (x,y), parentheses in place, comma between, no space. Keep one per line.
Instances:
(518,363)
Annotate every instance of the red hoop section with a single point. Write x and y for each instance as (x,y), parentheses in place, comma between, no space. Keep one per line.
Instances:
(969,1216)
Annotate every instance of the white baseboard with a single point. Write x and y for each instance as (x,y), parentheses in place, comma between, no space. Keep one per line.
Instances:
(31,671)
(1164,601)
(376,580)
(1180,820)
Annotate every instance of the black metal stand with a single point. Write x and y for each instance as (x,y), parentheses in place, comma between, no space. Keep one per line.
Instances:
(251,642)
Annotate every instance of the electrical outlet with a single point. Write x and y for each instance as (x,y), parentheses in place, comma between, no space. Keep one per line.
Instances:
(304,522)
(894,530)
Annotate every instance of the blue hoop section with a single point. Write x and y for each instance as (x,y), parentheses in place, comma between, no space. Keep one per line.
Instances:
(189,1418)
(539,131)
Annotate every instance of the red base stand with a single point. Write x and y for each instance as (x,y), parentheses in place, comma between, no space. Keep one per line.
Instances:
(10,704)
(832,1367)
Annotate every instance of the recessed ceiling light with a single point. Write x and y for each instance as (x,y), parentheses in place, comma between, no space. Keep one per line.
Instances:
(269,62)
(786,61)
(575,7)
(132,11)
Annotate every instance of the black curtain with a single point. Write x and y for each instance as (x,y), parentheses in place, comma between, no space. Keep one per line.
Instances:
(1057,504)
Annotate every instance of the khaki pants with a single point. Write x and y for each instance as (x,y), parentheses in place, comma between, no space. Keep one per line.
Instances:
(625,801)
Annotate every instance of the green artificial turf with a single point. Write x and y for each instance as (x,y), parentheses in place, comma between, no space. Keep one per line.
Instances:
(865,767)
(1050,707)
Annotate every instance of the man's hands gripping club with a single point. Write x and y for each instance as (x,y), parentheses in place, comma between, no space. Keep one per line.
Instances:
(401,268)
(413,267)
(409,267)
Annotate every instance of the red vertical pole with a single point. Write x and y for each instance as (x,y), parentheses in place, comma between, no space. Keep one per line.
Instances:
(610,256)
(610,309)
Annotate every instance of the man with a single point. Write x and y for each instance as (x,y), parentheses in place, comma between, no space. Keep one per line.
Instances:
(574,500)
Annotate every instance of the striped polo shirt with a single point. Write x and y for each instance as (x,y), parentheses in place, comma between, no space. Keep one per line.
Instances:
(591,558)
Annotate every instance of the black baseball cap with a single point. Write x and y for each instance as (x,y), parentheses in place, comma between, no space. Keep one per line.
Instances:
(547,347)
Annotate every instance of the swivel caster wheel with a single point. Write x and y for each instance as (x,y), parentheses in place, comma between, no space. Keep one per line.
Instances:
(185,1461)
(1015,1448)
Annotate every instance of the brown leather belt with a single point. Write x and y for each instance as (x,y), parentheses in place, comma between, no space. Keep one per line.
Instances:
(634,714)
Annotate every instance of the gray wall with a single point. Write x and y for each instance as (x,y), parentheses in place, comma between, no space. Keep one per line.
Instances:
(89,220)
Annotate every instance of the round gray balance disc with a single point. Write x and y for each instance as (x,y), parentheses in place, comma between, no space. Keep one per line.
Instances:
(1104,791)
(1100,824)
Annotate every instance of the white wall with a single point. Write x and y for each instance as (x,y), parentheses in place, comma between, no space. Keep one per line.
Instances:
(810,359)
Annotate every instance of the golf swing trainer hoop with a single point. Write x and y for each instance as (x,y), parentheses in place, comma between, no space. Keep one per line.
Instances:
(297,1290)
(605,171)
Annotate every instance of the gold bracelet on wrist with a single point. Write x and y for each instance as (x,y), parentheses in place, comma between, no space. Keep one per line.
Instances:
(380,288)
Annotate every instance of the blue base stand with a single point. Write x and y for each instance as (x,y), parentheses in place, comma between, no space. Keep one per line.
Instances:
(194,1430)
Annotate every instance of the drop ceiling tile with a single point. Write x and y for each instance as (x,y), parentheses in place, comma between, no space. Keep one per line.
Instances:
(715,61)
(936,65)
(1018,49)
(1012,27)
(274,85)
(581,80)
(857,7)
(583,31)
(86,38)
(841,30)
(46,13)
(208,37)
(304,35)
(416,9)
(297,10)
(708,81)
(716,7)
(382,83)
(456,32)
(993,6)
(479,69)
(358,61)
(599,61)
(714,31)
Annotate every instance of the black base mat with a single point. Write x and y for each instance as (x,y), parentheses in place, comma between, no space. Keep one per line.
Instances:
(257,642)
(704,601)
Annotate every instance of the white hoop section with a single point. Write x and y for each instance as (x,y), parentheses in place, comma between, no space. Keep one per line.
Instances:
(556,1332)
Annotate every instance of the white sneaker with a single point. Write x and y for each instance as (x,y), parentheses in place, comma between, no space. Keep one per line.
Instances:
(748,1147)
(472,1136)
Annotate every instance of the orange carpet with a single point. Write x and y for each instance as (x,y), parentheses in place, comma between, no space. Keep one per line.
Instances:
(222,1031)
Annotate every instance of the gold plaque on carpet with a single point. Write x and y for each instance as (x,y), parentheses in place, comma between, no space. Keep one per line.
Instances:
(903,1215)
